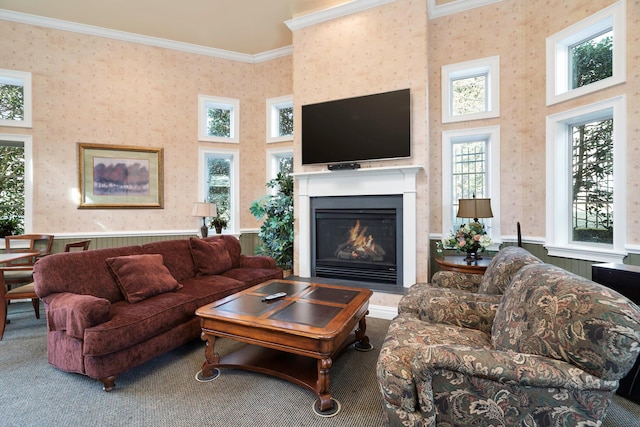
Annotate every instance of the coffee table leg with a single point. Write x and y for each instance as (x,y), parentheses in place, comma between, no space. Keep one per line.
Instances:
(208,372)
(362,341)
(325,406)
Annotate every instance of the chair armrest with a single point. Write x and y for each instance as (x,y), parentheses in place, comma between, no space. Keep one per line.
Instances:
(74,313)
(454,280)
(507,367)
(459,308)
(257,261)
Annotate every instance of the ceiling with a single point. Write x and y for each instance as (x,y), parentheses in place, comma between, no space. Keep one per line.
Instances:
(242,26)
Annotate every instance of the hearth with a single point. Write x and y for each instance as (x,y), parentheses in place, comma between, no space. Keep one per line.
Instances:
(357,238)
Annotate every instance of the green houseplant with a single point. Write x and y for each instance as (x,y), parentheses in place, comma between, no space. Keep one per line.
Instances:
(219,222)
(276,231)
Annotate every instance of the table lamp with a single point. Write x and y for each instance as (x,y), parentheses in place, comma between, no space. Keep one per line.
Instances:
(204,210)
(474,208)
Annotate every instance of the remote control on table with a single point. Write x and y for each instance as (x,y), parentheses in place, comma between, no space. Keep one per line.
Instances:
(274,296)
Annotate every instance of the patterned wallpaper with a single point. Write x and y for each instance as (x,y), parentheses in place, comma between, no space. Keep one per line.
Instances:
(98,90)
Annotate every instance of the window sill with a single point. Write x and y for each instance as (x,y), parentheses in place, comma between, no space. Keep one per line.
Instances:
(586,253)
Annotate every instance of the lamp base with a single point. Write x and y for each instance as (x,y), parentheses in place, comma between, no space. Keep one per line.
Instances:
(204,231)
(472,256)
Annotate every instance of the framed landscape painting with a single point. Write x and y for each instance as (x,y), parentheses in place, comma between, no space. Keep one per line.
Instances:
(116,176)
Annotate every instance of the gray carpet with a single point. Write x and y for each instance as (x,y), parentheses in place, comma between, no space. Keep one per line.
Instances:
(163,392)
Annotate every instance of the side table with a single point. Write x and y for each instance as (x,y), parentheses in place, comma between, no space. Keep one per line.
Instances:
(457,263)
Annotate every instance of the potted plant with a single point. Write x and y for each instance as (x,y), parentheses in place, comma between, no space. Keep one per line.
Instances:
(219,222)
(276,232)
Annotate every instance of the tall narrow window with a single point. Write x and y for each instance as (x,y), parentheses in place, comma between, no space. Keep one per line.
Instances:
(469,173)
(471,166)
(218,119)
(219,183)
(592,192)
(586,182)
(280,119)
(12,188)
(15,98)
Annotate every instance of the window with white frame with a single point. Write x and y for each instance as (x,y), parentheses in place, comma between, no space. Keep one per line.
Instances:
(218,119)
(219,183)
(586,182)
(16,200)
(587,56)
(471,166)
(280,119)
(15,98)
(471,90)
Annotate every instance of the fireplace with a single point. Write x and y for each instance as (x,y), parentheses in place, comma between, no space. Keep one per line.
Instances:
(357,238)
(399,181)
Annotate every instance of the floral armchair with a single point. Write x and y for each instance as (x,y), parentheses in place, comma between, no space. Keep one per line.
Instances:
(550,351)
(494,281)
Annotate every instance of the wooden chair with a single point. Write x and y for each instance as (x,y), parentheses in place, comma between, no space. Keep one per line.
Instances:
(40,243)
(28,291)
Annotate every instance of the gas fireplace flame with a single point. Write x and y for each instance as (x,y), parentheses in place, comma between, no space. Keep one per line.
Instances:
(360,246)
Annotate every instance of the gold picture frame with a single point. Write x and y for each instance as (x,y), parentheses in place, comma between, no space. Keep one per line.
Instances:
(117,176)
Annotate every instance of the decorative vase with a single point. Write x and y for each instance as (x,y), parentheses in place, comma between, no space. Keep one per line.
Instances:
(218,230)
(472,255)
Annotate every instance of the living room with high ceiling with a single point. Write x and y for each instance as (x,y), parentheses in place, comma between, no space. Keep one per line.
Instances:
(136,80)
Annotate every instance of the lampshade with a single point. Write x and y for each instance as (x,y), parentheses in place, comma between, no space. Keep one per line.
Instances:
(474,208)
(204,209)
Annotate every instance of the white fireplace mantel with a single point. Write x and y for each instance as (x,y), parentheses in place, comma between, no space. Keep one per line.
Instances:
(359,182)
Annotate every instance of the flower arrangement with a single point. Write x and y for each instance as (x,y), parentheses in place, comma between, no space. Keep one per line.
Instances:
(471,238)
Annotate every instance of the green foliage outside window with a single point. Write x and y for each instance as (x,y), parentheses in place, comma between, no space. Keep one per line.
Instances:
(469,95)
(592,61)
(285,121)
(11,190)
(219,175)
(592,203)
(219,122)
(11,102)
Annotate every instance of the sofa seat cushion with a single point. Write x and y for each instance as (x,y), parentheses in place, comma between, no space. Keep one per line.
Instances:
(253,276)
(209,256)
(131,324)
(406,336)
(142,276)
(205,289)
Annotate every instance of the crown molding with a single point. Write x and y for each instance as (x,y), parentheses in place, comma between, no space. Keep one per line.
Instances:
(436,11)
(58,24)
(333,12)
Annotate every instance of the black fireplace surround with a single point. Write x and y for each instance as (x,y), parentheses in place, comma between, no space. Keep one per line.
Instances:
(357,238)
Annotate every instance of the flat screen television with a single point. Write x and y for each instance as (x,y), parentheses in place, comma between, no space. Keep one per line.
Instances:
(370,127)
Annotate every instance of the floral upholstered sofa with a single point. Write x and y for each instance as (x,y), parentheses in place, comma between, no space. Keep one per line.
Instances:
(549,351)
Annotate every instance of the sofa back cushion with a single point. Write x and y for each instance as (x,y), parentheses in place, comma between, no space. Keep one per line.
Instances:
(502,268)
(176,255)
(210,256)
(233,247)
(551,312)
(84,272)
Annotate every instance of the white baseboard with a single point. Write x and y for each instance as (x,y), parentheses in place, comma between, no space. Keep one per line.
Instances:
(382,311)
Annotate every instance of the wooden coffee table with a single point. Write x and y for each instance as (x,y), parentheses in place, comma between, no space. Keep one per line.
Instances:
(294,338)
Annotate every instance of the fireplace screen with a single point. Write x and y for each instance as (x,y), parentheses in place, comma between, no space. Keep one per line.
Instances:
(358,244)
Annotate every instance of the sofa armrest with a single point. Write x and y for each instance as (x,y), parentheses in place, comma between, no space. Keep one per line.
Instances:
(507,367)
(459,308)
(257,261)
(455,280)
(73,313)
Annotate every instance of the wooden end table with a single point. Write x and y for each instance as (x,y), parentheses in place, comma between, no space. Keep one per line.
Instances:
(294,338)
(458,263)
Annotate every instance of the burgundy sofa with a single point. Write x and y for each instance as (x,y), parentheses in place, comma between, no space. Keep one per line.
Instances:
(109,310)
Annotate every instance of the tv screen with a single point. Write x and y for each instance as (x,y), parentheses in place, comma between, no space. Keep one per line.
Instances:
(370,127)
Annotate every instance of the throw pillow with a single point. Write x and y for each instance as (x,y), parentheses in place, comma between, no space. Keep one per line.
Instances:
(209,257)
(142,276)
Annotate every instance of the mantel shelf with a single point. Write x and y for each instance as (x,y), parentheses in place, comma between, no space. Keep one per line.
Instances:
(411,169)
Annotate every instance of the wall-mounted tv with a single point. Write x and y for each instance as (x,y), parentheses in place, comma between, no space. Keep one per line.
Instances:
(370,127)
